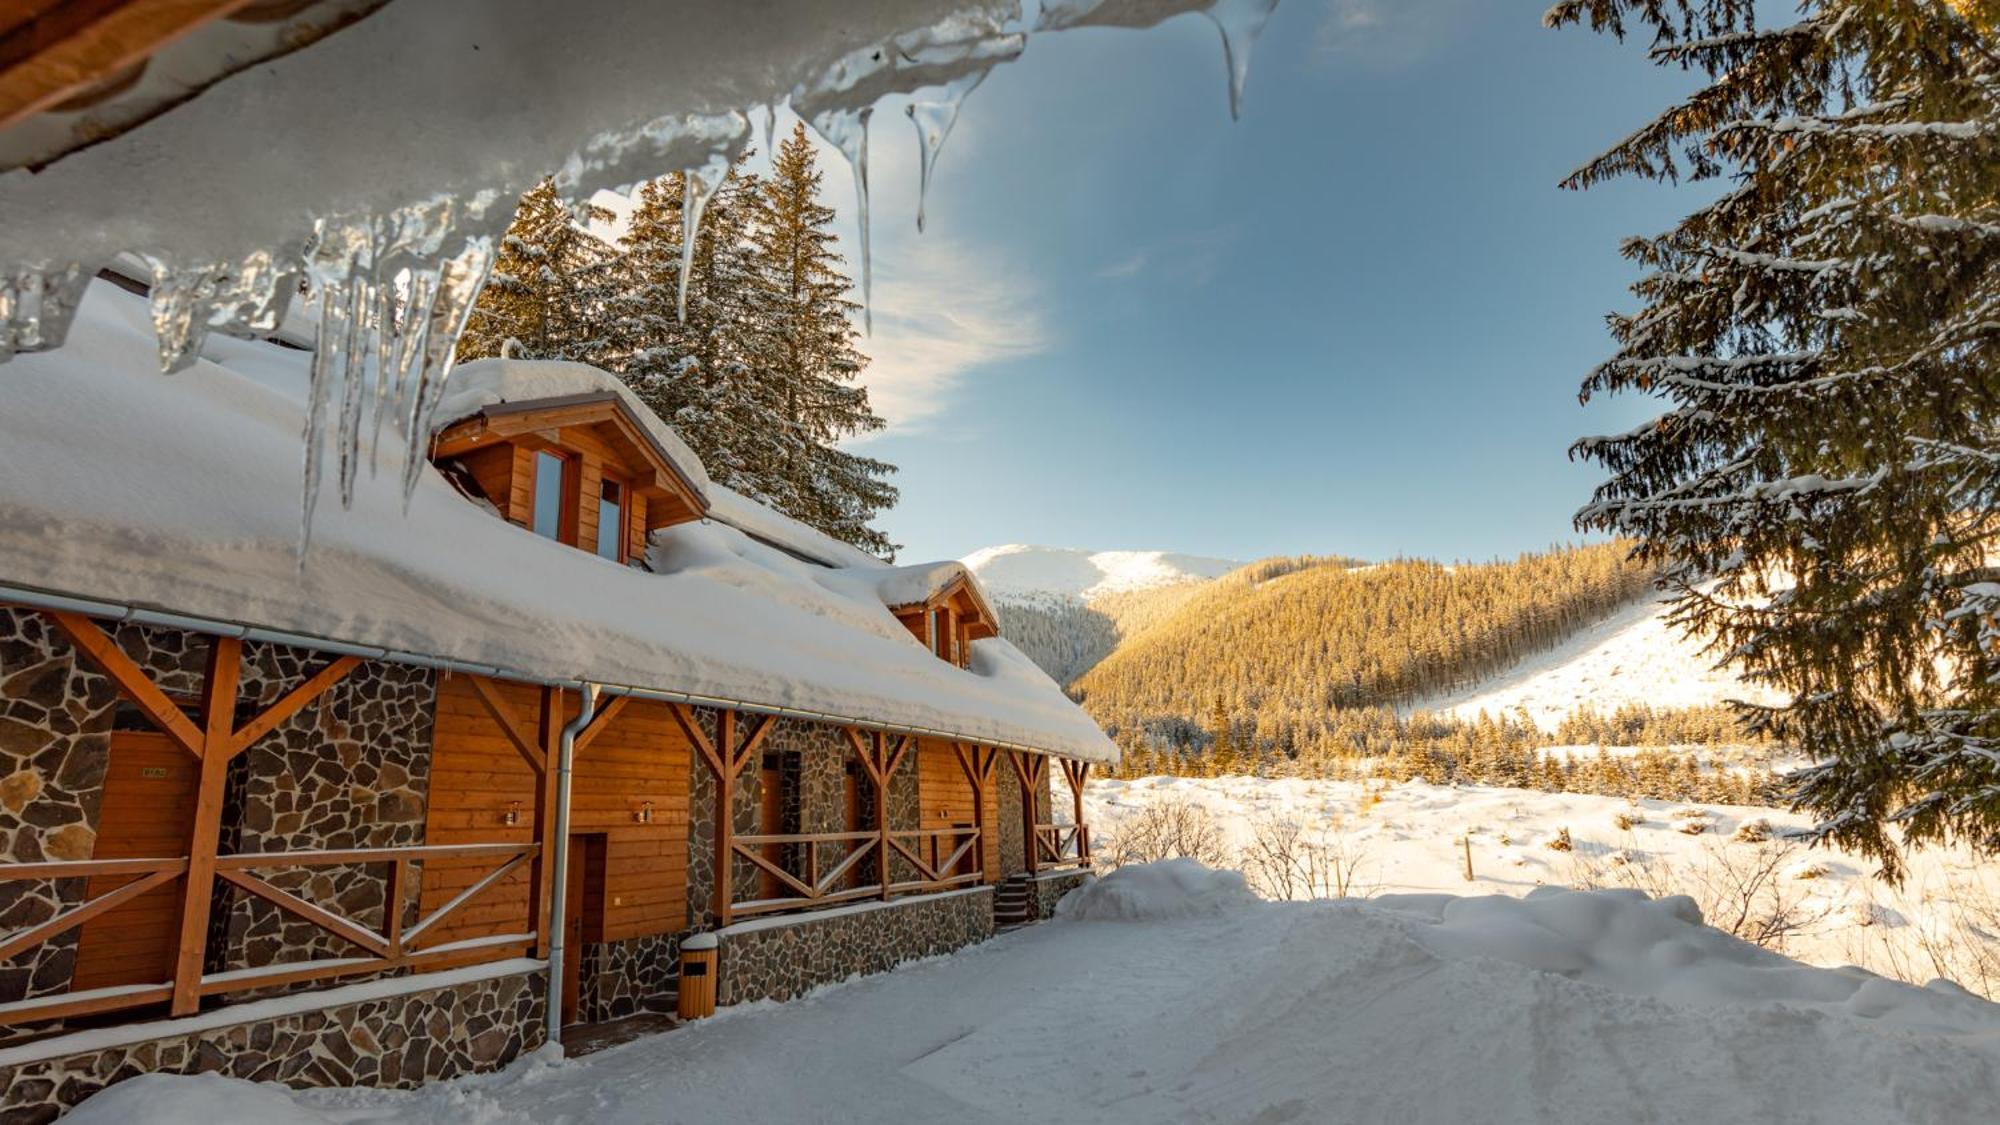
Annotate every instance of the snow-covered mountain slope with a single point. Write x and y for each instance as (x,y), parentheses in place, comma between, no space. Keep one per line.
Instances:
(1019,572)
(1633,656)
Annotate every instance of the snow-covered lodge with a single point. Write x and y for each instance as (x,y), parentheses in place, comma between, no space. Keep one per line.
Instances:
(477,765)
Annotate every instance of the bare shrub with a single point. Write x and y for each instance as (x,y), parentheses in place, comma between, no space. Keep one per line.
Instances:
(1752,831)
(1560,842)
(1286,860)
(1627,819)
(1170,829)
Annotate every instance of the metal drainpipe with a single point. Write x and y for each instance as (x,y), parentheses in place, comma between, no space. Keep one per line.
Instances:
(559,871)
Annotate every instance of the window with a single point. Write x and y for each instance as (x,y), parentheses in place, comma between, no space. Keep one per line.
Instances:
(611,520)
(551,495)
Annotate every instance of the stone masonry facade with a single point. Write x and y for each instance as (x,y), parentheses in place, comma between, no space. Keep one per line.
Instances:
(399,1041)
(349,770)
(1050,887)
(626,978)
(780,959)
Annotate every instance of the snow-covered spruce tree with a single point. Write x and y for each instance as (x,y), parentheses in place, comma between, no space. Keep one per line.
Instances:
(812,361)
(550,285)
(702,371)
(1823,489)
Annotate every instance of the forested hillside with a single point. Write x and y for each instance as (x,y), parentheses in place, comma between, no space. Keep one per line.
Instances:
(1268,655)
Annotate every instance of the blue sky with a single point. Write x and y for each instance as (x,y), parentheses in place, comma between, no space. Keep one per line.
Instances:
(1353,322)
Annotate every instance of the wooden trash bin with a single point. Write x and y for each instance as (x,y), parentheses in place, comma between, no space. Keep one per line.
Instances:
(698,964)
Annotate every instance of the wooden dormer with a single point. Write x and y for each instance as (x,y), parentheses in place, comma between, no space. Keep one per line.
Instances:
(950,621)
(559,466)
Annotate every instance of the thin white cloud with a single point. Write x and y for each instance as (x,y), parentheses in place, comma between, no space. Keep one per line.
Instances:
(942,311)
(1128,267)
(1386,35)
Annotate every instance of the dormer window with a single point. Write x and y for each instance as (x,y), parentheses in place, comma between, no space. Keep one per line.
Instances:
(950,621)
(581,470)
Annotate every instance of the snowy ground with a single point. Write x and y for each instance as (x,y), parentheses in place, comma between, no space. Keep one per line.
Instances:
(1171,995)
(1944,920)
(1632,656)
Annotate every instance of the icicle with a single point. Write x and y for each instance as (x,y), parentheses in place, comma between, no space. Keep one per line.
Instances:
(847,130)
(37,305)
(934,120)
(458,285)
(1239,21)
(697,188)
(385,367)
(770,131)
(361,297)
(329,364)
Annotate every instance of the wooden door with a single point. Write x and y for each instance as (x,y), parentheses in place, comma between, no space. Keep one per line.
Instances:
(575,895)
(771,822)
(146,812)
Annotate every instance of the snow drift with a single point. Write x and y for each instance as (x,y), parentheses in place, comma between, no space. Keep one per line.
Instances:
(1152,892)
(1574,1007)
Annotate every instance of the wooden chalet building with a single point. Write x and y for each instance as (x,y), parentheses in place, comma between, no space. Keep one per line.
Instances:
(477,766)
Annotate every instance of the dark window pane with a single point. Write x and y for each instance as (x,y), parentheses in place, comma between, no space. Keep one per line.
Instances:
(548,495)
(610,519)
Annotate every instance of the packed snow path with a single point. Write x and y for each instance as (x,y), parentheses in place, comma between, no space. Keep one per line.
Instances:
(1178,997)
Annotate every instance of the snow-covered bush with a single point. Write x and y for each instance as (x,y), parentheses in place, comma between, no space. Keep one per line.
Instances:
(1560,841)
(1147,892)
(1627,819)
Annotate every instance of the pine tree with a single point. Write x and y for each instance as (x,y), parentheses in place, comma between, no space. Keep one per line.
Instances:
(549,288)
(813,361)
(1826,335)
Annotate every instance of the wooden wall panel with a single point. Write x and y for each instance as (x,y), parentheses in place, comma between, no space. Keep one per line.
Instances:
(493,468)
(476,773)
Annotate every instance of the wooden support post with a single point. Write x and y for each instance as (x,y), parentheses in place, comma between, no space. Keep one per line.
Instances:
(725,820)
(1028,776)
(879,747)
(1079,775)
(548,731)
(205,837)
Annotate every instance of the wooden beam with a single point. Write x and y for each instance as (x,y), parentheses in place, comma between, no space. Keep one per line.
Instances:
(327,920)
(758,733)
(541,873)
(598,722)
(67,48)
(690,726)
(424,925)
(517,732)
(225,665)
(292,703)
(69,919)
(131,679)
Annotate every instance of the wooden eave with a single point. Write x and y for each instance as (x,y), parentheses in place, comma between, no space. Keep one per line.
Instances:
(537,421)
(962,595)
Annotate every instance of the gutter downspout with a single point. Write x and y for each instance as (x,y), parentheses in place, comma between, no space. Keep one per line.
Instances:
(559,870)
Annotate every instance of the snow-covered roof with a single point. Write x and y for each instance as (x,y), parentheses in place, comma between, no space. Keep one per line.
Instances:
(485,384)
(181,494)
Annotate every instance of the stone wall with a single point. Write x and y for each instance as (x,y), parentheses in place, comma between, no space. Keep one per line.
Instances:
(1007,807)
(349,770)
(1048,889)
(625,978)
(399,1041)
(778,959)
(55,723)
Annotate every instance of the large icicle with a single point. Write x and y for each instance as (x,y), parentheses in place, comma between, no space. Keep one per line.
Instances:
(698,186)
(1240,22)
(847,130)
(934,119)
(37,305)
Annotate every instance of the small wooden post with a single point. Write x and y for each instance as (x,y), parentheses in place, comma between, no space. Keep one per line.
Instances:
(1466,840)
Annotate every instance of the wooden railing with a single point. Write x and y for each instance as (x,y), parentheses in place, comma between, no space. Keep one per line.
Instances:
(816,887)
(931,844)
(1062,845)
(388,946)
